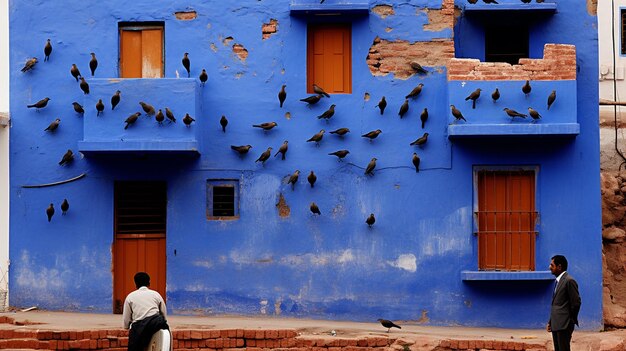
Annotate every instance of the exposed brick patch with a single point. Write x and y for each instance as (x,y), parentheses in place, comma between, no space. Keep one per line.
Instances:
(438,20)
(240,51)
(592,7)
(185,15)
(269,28)
(395,56)
(558,63)
(383,10)
(226,41)
(283,211)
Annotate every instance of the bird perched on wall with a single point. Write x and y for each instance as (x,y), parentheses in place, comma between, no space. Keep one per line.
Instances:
(328,113)
(526,1)
(526,88)
(241,149)
(472,1)
(84,86)
(340,154)
(381,105)
(474,96)
(131,119)
(418,68)
(370,166)
(266,126)
(282,149)
(312,100)
(416,162)
(421,140)
(388,324)
(495,95)
(78,108)
(457,114)
(93,64)
(159,117)
(424,117)
(370,220)
(65,205)
(311,178)
(170,115)
(341,131)
(147,108)
(513,113)
(372,135)
(317,137)
(294,178)
(50,212)
(313,207)
(490,1)
(404,108)
(534,114)
(319,91)
(99,107)
(115,99)
(539,1)
(551,98)
(188,120)
(223,123)
(265,155)
(187,64)
(67,158)
(282,95)
(75,72)
(203,77)
(30,64)
(53,126)
(40,104)
(415,92)
(47,50)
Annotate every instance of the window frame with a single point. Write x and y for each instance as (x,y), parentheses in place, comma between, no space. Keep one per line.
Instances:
(139,27)
(222,182)
(622,32)
(347,61)
(504,30)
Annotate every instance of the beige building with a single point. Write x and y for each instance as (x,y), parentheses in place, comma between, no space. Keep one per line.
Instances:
(4,153)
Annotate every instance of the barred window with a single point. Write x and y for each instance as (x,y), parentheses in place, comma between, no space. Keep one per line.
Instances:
(222,199)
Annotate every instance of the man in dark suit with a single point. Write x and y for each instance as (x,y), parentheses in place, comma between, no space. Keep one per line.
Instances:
(565,305)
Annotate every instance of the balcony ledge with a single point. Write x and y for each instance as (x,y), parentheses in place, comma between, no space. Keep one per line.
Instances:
(95,147)
(518,8)
(526,129)
(500,275)
(330,7)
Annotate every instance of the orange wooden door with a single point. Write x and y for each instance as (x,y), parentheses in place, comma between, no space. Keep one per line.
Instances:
(141,52)
(329,57)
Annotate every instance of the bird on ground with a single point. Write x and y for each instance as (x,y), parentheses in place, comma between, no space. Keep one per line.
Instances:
(203,77)
(84,86)
(188,120)
(53,126)
(424,117)
(223,123)
(457,114)
(551,98)
(370,166)
(340,154)
(147,108)
(418,68)
(526,88)
(495,95)
(170,115)
(381,105)
(187,64)
(388,324)
(421,140)
(415,92)
(266,126)
(317,137)
(474,96)
(75,72)
(416,162)
(67,158)
(370,220)
(319,90)
(314,209)
(115,99)
(241,149)
(131,119)
(93,64)
(341,131)
(50,212)
(534,114)
(64,207)
(513,113)
(40,104)
(47,50)
(78,108)
(372,135)
(265,155)
(294,178)
(312,100)
(159,117)
(328,113)
(311,178)
(282,149)
(282,95)
(404,108)
(99,107)
(30,64)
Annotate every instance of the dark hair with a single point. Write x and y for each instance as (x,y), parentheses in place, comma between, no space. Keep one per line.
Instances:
(142,279)
(560,260)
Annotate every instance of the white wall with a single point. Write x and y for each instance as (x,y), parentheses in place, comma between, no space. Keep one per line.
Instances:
(4,149)
(605,47)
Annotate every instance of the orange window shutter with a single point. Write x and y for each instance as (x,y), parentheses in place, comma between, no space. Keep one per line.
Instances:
(152,53)
(329,58)
(130,54)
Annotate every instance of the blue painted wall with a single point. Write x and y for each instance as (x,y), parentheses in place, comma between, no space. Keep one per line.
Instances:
(408,266)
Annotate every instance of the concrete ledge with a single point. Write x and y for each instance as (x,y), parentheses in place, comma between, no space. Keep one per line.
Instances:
(93,147)
(313,7)
(493,275)
(534,129)
(515,8)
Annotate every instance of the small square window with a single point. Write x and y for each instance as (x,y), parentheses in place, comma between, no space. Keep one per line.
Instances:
(222,199)
(506,43)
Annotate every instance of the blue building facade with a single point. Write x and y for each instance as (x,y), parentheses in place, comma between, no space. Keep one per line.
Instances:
(267,253)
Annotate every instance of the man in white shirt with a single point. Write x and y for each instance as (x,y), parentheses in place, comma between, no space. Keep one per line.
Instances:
(144,313)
